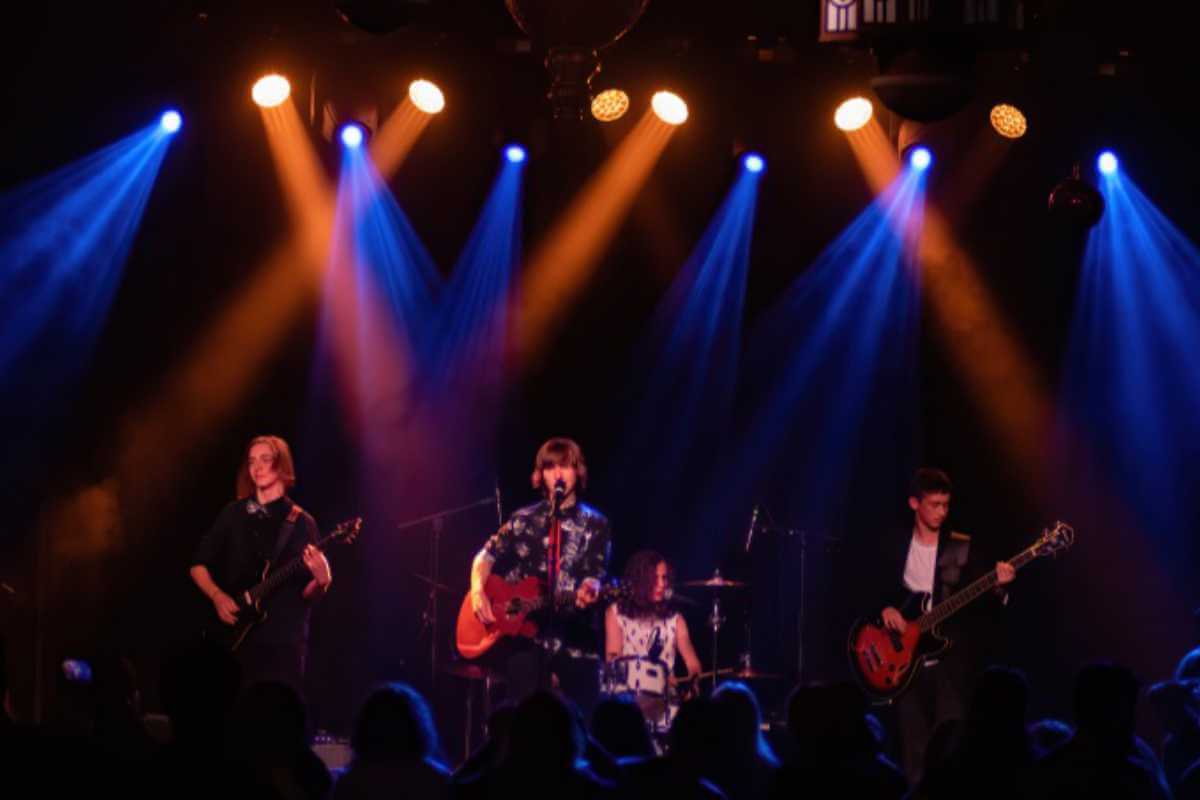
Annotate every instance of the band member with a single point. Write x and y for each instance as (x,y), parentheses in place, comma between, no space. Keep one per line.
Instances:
(264,525)
(930,562)
(644,628)
(578,560)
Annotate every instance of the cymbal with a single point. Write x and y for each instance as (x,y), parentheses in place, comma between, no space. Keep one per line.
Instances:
(441,587)
(716,582)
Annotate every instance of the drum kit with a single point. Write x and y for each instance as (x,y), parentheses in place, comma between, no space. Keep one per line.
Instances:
(648,681)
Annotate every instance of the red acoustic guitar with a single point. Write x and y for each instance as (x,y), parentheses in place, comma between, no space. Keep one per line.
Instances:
(885,662)
(512,603)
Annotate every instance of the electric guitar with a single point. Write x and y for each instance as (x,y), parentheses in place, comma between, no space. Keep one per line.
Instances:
(250,611)
(512,603)
(885,662)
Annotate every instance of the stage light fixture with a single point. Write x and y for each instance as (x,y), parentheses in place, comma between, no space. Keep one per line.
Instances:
(1008,121)
(670,108)
(352,134)
(514,153)
(753,162)
(426,96)
(271,90)
(853,114)
(610,105)
(171,121)
(920,158)
(1107,162)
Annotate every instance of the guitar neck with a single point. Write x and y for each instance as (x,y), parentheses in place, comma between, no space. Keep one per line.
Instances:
(977,588)
(283,574)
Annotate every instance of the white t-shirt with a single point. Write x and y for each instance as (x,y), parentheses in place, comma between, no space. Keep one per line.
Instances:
(920,566)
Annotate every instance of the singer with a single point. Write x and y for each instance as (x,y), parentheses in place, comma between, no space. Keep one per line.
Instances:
(565,543)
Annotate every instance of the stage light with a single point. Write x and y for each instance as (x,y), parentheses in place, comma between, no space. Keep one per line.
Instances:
(610,105)
(670,108)
(352,134)
(1008,121)
(920,158)
(1107,162)
(171,121)
(514,153)
(753,162)
(271,90)
(426,96)
(853,114)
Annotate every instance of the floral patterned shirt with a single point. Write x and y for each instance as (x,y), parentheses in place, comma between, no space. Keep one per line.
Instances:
(520,548)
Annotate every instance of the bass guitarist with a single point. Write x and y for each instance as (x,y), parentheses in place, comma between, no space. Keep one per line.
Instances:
(925,567)
(264,526)
(565,544)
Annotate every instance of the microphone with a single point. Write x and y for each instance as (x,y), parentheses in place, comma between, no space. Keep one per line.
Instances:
(499,508)
(560,488)
(753,525)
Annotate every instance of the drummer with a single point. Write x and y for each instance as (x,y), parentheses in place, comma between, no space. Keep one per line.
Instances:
(643,630)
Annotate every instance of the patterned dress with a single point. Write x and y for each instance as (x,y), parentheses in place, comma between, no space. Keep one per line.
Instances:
(645,666)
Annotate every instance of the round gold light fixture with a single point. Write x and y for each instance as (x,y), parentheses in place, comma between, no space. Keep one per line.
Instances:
(1008,121)
(610,105)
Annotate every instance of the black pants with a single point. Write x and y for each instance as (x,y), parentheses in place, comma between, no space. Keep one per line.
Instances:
(936,695)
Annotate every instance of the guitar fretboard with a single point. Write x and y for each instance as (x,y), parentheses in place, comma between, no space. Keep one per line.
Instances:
(955,602)
(288,570)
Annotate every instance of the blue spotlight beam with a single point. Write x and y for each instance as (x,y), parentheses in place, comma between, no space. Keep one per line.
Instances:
(473,311)
(1131,375)
(831,364)
(682,391)
(63,244)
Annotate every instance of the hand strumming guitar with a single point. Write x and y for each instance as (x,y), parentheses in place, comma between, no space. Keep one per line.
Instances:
(226,608)
(588,591)
(482,607)
(893,620)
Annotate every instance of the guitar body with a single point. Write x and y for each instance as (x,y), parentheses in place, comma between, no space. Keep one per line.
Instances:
(885,662)
(250,613)
(511,603)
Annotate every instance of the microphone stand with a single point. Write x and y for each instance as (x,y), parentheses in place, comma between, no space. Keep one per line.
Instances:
(803,535)
(429,617)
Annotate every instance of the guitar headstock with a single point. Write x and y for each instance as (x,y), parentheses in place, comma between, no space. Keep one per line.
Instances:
(1054,539)
(346,531)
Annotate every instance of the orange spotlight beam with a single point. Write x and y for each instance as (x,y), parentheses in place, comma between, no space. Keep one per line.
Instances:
(875,154)
(305,186)
(999,373)
(396,137)
(559,268)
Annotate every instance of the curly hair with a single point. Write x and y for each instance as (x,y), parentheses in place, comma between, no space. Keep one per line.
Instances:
(639,582)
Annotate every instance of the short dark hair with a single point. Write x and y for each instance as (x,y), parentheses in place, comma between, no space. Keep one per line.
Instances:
(928,480)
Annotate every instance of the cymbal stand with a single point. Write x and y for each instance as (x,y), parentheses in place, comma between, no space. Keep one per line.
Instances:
(715,621)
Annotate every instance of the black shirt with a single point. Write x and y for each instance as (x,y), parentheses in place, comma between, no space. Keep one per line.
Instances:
(237,547)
